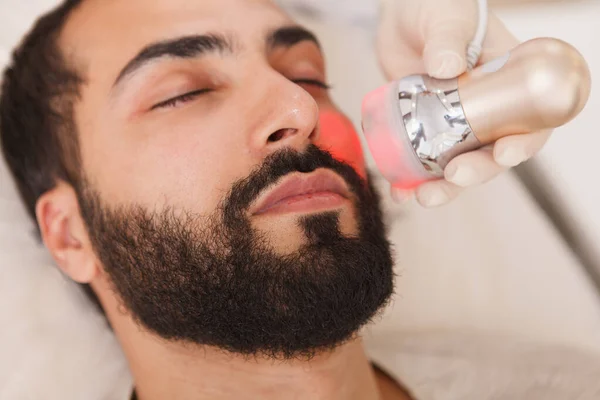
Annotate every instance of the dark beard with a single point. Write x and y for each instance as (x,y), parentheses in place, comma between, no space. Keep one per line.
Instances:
(216,281)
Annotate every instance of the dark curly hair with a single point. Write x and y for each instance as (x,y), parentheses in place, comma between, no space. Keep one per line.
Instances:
(37,129)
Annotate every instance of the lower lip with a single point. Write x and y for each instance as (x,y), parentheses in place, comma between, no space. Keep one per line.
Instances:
(306,203)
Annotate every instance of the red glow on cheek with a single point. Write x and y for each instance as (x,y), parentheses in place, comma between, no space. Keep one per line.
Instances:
(338,136)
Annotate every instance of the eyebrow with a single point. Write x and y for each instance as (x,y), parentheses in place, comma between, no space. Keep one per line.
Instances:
(199,45)
(183,47)
(289,36)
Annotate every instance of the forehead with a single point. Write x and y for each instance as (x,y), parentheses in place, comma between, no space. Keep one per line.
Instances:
(104,32)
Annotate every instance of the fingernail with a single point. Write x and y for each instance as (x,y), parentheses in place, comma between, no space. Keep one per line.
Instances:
(433,197)
(449,65)
(511,156)
(462,175)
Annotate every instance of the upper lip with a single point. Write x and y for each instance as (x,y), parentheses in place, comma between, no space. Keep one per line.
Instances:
(297,184)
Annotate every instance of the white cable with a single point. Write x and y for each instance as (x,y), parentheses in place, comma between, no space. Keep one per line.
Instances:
(474,49)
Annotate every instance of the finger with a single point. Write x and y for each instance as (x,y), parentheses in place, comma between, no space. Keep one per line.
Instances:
(473,168)
(401,196)
(397,59)
(444,54)
(511,151)
(436,193)
(448,31)
(396,56)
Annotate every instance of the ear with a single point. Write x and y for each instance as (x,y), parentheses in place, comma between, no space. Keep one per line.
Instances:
(65,235)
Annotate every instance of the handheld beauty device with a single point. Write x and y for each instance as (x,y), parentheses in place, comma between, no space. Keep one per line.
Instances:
(415,126)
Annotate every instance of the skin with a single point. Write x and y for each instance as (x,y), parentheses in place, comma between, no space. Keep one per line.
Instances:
(186,157)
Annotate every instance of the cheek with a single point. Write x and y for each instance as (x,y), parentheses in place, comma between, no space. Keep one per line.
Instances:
(159,164)
(339,137)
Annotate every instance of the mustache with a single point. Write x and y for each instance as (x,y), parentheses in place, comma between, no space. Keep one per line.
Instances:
(277,165)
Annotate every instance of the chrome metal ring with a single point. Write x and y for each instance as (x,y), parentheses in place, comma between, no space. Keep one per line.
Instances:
(435,121)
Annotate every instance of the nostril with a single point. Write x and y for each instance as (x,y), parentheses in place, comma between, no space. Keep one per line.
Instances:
(281,134)
(277,136)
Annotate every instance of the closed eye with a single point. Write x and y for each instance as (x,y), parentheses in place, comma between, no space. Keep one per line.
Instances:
(179,100)
(312,82)
(187,97)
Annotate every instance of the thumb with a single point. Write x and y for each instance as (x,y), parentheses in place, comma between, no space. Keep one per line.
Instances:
(446,43)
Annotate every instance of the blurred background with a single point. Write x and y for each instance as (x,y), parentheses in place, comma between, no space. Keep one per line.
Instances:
(517,256)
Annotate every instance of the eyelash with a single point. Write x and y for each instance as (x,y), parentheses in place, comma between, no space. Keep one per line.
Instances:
(175,101)
(313,82)
(184,98)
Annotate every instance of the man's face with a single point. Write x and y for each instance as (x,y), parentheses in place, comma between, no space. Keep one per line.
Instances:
(209,199)
(187,153)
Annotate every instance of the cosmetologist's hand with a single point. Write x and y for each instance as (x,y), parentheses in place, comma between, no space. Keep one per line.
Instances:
(431,36)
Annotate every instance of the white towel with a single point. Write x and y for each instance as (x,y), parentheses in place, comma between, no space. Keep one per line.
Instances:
(446,365)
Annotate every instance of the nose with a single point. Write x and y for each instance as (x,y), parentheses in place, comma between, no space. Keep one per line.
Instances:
(286,116)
